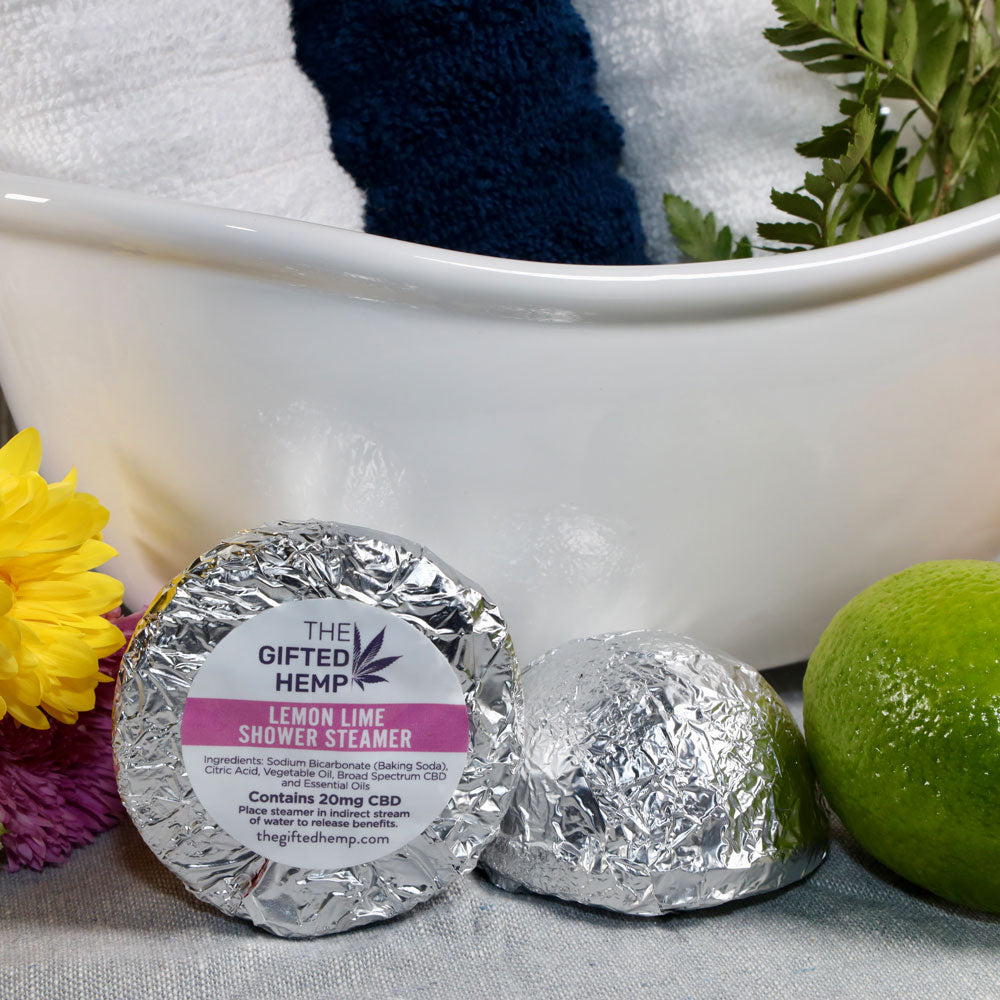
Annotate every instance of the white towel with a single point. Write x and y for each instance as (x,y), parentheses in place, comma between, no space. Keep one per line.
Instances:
(711,111)
(196,100)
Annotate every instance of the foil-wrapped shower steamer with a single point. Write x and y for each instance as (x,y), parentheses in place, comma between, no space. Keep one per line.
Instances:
(657,776)
(318,726)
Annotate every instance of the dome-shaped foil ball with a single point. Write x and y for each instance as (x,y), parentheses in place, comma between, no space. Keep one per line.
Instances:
(658,775)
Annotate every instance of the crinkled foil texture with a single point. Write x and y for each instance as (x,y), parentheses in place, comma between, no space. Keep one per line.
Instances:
(657,776)
(240,578)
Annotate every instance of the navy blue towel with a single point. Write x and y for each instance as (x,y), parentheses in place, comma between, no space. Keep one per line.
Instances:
(473,125)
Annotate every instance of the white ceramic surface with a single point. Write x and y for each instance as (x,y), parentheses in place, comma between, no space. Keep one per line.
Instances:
(728,450)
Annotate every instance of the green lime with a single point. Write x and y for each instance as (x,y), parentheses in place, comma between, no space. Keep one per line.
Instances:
(902,720)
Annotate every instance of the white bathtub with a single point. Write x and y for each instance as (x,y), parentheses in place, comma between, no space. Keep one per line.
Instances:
(728,450)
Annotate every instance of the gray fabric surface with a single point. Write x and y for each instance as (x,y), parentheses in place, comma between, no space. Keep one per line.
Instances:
(113,923)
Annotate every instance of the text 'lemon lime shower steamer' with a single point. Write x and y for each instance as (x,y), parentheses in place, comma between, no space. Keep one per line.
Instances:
(318,726)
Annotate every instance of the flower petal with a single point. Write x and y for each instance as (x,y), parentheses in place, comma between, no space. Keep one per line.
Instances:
(22,453)
(81,594)
(68,658)
(27,715)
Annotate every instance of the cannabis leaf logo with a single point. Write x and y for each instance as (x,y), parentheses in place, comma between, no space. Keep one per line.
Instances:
(366,669)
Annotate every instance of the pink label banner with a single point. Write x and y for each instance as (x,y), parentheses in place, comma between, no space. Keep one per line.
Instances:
(373,728)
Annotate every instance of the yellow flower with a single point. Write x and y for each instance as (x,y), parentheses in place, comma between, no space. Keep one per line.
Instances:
(51,630)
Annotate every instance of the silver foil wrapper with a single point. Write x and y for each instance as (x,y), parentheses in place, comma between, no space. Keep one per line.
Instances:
(237,580)
(657,776)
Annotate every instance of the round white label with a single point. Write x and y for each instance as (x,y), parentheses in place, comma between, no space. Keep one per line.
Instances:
(325,733)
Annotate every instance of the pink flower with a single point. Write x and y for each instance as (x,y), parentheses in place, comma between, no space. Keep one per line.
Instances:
(57,785)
